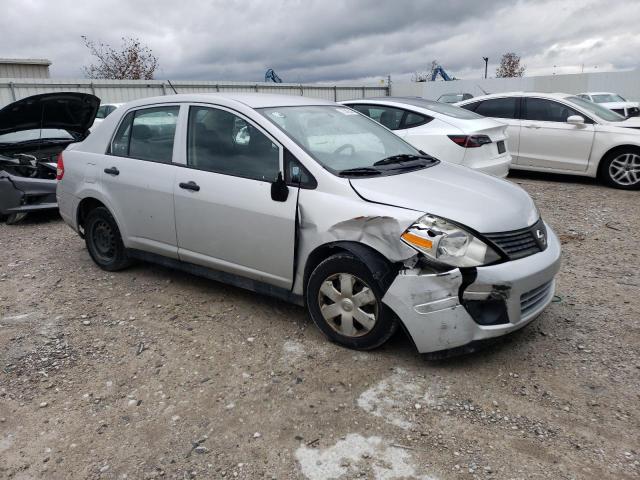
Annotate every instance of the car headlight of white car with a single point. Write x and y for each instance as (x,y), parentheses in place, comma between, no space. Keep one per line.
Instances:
(447,243)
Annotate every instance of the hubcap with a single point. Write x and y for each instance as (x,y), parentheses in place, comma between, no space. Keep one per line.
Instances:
(625,169)
(348,304)
(104,240)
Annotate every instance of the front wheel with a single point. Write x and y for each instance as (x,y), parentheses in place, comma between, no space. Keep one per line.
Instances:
(104,242)
(344,301)
(621,169)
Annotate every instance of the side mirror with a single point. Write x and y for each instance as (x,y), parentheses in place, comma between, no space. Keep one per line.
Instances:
(575,119)
(279,189)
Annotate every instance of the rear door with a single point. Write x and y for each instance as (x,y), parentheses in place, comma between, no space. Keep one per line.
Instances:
(548,141)
(505,110)
(225,216)
(137,175)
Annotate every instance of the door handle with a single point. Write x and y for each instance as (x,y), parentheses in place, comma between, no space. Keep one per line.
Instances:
(190,186)
(532,126)
(112,171)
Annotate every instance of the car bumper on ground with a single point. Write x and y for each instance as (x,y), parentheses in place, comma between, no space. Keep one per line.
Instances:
(439,315)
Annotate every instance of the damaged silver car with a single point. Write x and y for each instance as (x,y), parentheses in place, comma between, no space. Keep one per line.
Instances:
(33,131)
(314,203)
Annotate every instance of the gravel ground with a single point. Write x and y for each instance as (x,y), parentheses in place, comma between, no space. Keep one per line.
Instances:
(152,373)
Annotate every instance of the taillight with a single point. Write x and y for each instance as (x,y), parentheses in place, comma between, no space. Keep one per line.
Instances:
(60,167)
(470,141)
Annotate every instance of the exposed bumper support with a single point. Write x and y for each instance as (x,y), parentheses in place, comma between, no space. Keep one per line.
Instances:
(430,308)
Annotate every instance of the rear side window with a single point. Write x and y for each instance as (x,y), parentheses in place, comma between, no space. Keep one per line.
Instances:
(219,141)
(415,119)
(495,107)
(544,110)
(147,134)
(390,117)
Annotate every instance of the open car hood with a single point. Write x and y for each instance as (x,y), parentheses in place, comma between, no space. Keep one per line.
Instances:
(70,111)
(484,203)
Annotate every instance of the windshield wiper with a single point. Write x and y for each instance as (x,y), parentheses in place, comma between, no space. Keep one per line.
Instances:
(359,172)
(402,158)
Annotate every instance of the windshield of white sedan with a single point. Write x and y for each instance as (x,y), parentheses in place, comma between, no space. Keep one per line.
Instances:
(346,142)
(607,98)
(603,113)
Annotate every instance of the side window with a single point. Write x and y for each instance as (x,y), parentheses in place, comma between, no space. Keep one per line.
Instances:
(497,107)
(219,141)
(296,174)
(414,120)
(120,142)
(102,111)
(147,134)
(388,116)
(544,110)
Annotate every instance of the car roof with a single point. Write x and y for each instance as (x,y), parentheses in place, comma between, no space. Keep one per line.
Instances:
(557,95)
(252,100)
(414,101)
(597,93)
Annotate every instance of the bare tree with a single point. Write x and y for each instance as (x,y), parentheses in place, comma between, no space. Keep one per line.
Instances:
(133,61)
(510,66)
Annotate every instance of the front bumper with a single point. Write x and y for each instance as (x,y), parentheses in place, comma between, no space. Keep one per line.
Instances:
(24,194)
(430,305)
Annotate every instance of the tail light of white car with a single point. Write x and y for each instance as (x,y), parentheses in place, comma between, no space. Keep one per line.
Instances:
(60,167)
(470,141)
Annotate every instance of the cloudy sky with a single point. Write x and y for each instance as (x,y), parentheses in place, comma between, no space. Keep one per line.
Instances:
(322,40)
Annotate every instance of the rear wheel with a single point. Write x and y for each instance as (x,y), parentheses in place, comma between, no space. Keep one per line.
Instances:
(104,242)
(14,218)
(344,301)
(621,169)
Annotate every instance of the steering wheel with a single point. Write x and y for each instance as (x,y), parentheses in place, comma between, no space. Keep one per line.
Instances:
(344,147)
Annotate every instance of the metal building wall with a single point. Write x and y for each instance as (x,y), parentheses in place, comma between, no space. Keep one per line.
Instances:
(626,84)
(23,70)
(116,91)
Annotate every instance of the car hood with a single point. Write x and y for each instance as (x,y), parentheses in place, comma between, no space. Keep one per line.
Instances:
(70,111)
(631,122)
(482,202)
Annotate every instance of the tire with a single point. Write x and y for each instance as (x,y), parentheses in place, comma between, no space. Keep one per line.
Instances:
(371,323)
(104,242)
(14,218)
(621,169)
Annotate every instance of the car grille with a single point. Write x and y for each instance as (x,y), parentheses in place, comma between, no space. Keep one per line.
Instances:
(633,111)
(520,243)
(532,299)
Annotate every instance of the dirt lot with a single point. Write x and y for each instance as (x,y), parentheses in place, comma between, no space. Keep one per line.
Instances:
(151,373)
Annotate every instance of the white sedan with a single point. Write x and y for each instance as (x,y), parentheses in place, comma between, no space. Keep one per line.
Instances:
(562,133)
(614,102)
(443,131)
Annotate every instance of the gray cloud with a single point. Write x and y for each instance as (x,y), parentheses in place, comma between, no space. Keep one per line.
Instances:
(313,40)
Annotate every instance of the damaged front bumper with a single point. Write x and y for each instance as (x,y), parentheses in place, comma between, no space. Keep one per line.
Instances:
(24,194)
(447,310)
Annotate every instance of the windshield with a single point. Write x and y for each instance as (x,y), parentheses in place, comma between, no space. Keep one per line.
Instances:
(36,134)
(339,138)
(603,113)
(607,98)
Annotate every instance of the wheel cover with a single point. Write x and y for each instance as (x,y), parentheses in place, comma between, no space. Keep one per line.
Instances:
(348,304)
(625,169)
(103,239)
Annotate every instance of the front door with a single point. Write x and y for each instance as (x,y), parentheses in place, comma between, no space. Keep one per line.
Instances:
(225,217)
(548,141)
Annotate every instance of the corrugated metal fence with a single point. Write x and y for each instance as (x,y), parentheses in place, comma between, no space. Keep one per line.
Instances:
(12,89)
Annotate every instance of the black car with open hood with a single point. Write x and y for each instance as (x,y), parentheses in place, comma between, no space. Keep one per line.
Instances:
(33,131)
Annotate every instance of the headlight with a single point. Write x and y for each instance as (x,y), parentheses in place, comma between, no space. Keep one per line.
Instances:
(447,243)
